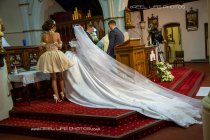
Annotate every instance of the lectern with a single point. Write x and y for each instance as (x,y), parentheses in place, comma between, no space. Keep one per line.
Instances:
(136,56)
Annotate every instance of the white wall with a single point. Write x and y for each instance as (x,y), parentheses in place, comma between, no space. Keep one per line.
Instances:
(40,13)
(192,42)
(37,13)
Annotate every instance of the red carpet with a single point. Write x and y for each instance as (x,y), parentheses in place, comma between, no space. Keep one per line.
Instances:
(186,81)
(67,120)
(179,74)
(48,110)
(190,84)
(68,108)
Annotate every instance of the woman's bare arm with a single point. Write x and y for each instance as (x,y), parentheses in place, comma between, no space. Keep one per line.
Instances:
(60,43)
(43,42)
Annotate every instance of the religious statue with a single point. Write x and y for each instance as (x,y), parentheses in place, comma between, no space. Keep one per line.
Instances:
(2,50)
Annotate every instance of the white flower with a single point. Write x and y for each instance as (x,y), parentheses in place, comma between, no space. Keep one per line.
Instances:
(163,71)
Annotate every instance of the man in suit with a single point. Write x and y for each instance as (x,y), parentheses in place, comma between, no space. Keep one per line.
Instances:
(116,37)
(90,29)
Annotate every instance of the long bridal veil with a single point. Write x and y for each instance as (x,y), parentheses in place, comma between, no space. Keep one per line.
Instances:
(97,80)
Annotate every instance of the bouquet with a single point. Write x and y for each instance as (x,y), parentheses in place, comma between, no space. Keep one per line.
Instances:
(163,71)
(1,34)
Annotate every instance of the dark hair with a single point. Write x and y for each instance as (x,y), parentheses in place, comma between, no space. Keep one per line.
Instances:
(48,25)
(112,22)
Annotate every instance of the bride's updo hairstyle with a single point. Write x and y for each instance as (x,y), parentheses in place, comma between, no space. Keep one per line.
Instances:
(48,25)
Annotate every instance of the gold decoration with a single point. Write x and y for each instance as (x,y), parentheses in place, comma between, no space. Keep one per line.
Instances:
(88,14)
(75,16)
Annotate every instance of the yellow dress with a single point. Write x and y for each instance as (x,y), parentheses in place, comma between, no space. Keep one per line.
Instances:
(53,60)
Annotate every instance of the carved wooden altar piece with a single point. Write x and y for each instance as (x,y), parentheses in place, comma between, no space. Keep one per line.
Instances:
(22,57)
(134,55)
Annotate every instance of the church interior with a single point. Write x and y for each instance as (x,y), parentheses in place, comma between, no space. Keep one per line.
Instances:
(171,32)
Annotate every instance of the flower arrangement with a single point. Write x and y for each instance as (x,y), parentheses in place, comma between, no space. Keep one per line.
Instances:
(1,34)
(163,70)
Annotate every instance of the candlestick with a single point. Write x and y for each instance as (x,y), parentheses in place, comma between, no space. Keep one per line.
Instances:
(15,70)
(142,15)
(89,13)
(76,13)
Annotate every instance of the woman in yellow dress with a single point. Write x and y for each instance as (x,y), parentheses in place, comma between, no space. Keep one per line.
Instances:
(53,61)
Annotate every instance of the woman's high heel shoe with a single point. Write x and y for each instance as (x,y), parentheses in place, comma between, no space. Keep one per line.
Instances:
(56,99)
(62,95)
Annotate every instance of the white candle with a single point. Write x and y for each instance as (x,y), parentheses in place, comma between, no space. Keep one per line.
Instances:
(15,70)
(152,56)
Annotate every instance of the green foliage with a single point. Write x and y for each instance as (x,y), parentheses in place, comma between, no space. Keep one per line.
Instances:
(163,71)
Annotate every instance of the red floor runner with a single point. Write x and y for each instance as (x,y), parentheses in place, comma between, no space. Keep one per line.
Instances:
(186,81)
(190,84)
(179,74)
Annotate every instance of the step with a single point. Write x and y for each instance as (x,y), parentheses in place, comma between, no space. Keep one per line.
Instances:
(69,112)
(134,129)
(180,74)
(190,84)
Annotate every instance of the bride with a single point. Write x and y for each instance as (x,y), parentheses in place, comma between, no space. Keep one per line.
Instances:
(97,80)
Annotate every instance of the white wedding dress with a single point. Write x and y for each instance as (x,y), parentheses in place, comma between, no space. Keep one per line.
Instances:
(97,80)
